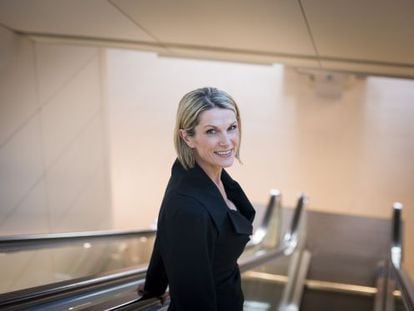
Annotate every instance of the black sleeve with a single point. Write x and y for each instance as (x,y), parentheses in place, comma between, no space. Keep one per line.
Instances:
(156,280)
(189,256)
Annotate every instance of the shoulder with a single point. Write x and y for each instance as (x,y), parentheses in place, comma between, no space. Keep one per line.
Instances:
(184,216)
(181,205)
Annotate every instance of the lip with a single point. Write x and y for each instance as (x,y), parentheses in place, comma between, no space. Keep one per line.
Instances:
(224,153)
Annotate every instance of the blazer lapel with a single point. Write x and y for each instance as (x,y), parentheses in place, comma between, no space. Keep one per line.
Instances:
(240,223)
(236,194)
(196,183)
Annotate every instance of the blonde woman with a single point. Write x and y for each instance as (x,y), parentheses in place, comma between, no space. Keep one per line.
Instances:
(205,218)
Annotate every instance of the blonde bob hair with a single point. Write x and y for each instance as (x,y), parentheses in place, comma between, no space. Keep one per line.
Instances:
(191,106)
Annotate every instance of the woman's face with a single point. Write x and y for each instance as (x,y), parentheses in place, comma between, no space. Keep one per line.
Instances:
(216,139)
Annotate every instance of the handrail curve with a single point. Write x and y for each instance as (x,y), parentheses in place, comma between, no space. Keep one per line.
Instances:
(261,232)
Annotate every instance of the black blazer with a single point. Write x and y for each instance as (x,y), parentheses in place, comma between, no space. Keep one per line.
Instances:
(198,242)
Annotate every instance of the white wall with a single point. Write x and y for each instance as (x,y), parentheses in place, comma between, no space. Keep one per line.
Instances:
(351,154)
(53,166)
(53,155)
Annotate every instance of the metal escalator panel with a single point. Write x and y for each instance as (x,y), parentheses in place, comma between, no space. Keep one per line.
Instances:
(338,301)
(277,284)
(32,264)
(118,292)
(263,286)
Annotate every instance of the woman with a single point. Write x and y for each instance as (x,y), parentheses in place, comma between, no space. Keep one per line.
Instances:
(205,218)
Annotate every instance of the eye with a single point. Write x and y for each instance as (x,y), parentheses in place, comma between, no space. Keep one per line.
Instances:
(233,127)
(211,132)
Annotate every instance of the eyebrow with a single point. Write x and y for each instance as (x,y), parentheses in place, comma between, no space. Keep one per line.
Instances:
(209,125)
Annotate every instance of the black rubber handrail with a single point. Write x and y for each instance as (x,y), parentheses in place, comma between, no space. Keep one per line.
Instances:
(404,281)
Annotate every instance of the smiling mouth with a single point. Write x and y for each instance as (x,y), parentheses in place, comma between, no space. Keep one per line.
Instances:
(224,154)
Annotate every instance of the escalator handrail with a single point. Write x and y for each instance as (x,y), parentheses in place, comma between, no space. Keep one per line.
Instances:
(261,232)
(24,242)
(67,287)
(406,287)
(293,229)
(396,251)
(288,245)
(44,291)
(30,241)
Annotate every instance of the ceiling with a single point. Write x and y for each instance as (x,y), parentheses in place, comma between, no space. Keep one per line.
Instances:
(369,37)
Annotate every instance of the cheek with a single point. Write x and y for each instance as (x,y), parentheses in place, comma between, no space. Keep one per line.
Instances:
(207,144)
(235,137)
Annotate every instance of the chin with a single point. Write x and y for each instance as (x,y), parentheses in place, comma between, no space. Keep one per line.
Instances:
(227,163)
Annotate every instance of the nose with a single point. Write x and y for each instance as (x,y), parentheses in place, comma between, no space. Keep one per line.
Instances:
(225,139)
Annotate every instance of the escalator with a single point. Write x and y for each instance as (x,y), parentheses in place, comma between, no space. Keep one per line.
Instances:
(287,271)
(103,266)
(371,277)
(78,267)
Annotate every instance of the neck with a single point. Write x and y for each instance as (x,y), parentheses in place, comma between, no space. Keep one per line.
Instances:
(213,172)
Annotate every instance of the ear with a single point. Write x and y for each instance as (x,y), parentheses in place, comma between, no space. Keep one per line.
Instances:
(186,138)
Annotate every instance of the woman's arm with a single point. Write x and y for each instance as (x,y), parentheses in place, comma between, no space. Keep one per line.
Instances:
(190,237)
(156,280)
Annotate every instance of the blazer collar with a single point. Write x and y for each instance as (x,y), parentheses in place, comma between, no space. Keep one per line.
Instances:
(196,183)
(236,194)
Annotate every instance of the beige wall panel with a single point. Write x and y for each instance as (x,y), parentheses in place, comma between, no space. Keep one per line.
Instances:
(18,96)
(59,64)
(74,170)
(326,156)
(267,25)
(91,211)
(141,123)
(69,111)
(370,30)
(70,17)
(66,132)
(267,131)
(21,166)
(388,144)
(29,217)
